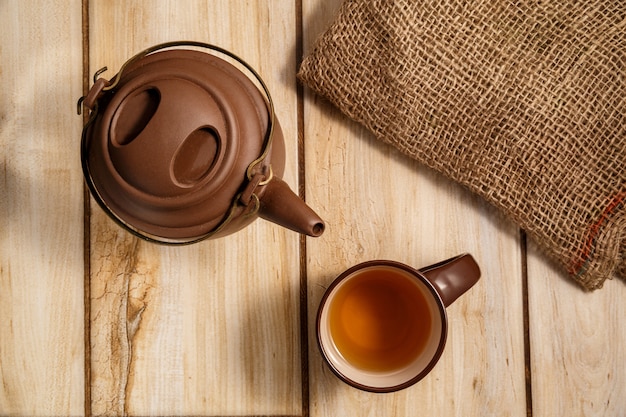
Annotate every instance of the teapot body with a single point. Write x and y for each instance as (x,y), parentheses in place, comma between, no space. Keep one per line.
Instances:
(180,146)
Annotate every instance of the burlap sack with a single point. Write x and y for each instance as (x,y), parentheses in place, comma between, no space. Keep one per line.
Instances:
(524,102)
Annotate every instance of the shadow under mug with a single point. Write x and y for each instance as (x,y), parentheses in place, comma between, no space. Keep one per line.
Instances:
(382,325)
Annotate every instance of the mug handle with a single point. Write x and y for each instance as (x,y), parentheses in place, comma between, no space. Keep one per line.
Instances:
(452,277)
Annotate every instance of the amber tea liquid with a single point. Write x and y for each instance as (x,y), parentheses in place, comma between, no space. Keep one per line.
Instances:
(381,321)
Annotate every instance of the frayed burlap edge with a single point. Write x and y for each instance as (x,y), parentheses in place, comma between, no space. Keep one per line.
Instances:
(602,257)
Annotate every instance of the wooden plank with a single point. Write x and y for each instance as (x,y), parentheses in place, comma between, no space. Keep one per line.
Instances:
(577,344)
(41,210)
(213,328)
(380,204)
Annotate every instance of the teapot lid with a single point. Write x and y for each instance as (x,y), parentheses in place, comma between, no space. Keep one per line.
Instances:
(172,139)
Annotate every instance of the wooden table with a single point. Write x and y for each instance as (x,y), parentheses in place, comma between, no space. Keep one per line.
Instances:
(94,321)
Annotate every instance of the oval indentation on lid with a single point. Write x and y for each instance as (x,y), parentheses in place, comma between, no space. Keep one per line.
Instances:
(196,156)
(134,114)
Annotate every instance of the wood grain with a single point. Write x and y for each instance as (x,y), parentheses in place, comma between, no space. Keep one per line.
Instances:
(380,204)
(41,210)
(577,344)
(210,329)
(480,358)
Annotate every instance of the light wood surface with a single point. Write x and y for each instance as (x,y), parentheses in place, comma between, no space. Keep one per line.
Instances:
(94,321)
(41,210)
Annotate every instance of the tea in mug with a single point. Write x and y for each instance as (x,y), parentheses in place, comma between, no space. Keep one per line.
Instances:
(380,319)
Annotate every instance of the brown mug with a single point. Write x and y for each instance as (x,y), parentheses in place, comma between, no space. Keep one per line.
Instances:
(382,325)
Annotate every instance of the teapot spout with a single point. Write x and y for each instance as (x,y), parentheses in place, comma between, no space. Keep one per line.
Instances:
(282,206)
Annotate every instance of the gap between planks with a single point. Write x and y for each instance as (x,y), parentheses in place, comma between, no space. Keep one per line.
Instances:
(526,315)
(86,224)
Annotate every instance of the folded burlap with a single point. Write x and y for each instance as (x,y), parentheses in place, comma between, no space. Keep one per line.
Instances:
(523,102)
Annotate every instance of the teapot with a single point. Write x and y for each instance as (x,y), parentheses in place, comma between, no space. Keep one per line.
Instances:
(181,145)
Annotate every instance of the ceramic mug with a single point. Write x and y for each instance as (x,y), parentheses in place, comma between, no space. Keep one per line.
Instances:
(382,325)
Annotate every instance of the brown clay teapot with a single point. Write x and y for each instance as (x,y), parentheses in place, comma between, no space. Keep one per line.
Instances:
(182,146)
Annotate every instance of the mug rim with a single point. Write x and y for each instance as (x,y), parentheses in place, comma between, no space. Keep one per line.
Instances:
(442,310)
